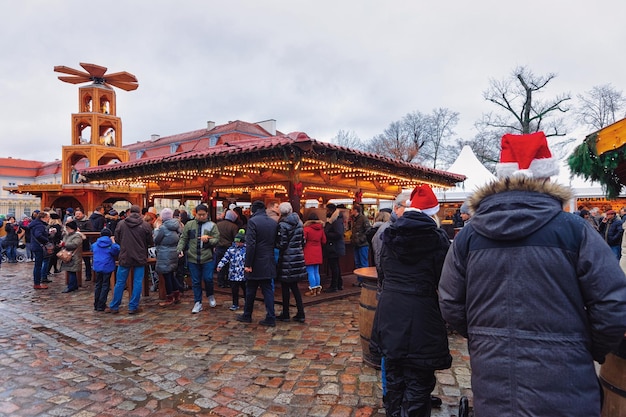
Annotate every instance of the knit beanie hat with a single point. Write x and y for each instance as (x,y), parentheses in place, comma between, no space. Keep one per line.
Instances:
(167,214)
(231,215)
(464,208)
(106,232)
(527,156)
(72,225)
(241,236)
(424,199)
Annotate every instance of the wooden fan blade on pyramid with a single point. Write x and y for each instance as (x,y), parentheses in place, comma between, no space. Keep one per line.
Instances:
(123,85)
(71,71)
(95,70)
(75,80)
(121,76)
(97,73)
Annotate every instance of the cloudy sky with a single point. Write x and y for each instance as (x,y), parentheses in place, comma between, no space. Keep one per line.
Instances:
(313,66)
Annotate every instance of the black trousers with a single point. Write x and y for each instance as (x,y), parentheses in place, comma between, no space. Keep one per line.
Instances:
(336,282)
(286,287)
(408,390)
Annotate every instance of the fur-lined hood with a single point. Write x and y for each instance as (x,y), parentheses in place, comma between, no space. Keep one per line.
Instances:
(514,208)
(557,191)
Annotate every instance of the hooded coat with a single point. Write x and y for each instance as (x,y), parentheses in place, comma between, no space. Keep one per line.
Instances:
(104,254)
(134,235)
(539,295)
(314,238)
(166,240)
(290,242)
(408,328)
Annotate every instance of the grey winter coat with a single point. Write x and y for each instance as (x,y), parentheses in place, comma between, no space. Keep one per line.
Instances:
(290,243)
(166,240)
(539,295)
(73,242)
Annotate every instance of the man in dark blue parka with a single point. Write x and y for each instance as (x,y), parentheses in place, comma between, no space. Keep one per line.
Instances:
(535,290)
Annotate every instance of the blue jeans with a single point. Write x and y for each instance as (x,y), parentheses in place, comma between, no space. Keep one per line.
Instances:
(44,266)
(361,257)
(314,275)
(11,252)
(120,283)
(72,281)
(617,250)
(200,273)
(38,264)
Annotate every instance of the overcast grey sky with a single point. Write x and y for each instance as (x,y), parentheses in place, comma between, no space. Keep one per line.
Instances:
(314,66)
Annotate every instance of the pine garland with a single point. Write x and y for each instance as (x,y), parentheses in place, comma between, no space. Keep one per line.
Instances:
(585,162)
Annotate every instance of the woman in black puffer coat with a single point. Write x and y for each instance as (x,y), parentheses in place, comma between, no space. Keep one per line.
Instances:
(291,267)
(408,330)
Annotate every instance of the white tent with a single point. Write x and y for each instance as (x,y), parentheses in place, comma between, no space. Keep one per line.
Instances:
(477,175)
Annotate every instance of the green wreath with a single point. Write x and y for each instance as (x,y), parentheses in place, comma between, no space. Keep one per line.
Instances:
(586,162)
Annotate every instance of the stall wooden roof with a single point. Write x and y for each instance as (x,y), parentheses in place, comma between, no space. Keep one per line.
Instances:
(243,163)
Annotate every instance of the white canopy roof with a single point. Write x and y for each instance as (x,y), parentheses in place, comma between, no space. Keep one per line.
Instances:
(477,175)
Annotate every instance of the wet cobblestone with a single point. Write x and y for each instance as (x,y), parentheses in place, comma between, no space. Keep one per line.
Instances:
(60,358)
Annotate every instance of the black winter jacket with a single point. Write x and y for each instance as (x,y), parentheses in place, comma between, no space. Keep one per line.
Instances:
(408,328)
(260,241)
(290,243)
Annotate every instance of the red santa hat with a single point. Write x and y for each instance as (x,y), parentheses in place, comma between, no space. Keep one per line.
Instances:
(424,199)
(526,155)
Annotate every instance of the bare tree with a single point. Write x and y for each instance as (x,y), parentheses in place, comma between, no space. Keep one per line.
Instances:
(521,109)
(394,143)
(600,107)
(415,125)
(439,130)
(348,139)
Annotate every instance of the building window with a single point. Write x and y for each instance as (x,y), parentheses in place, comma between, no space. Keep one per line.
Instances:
(174,147)
(213,140)
(140,153)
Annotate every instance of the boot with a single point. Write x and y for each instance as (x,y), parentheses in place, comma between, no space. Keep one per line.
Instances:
(311,292)
(464,407)
(318,290)
(168,301)
(176,295)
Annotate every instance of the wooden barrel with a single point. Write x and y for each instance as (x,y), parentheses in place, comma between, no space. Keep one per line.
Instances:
(367,310)
(613,379)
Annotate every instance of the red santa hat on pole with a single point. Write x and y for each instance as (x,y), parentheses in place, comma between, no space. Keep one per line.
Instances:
(526,155)
(424,199)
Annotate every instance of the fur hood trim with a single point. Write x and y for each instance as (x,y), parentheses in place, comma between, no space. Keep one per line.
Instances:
(545,186)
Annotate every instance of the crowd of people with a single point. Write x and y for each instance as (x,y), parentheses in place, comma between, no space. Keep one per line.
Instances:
(538,292)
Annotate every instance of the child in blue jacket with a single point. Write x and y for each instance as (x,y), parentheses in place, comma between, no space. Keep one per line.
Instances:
(105,250)
(235,256)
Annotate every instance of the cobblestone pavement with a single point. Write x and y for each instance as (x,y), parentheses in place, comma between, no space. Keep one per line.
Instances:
(60,358)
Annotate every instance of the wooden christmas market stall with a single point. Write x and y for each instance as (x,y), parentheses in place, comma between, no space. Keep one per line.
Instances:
(290,167)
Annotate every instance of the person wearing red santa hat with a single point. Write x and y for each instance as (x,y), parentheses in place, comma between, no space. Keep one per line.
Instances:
(408,330)
(535,289)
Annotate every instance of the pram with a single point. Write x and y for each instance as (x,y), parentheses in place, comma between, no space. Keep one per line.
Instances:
(154,277)
(21,254)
